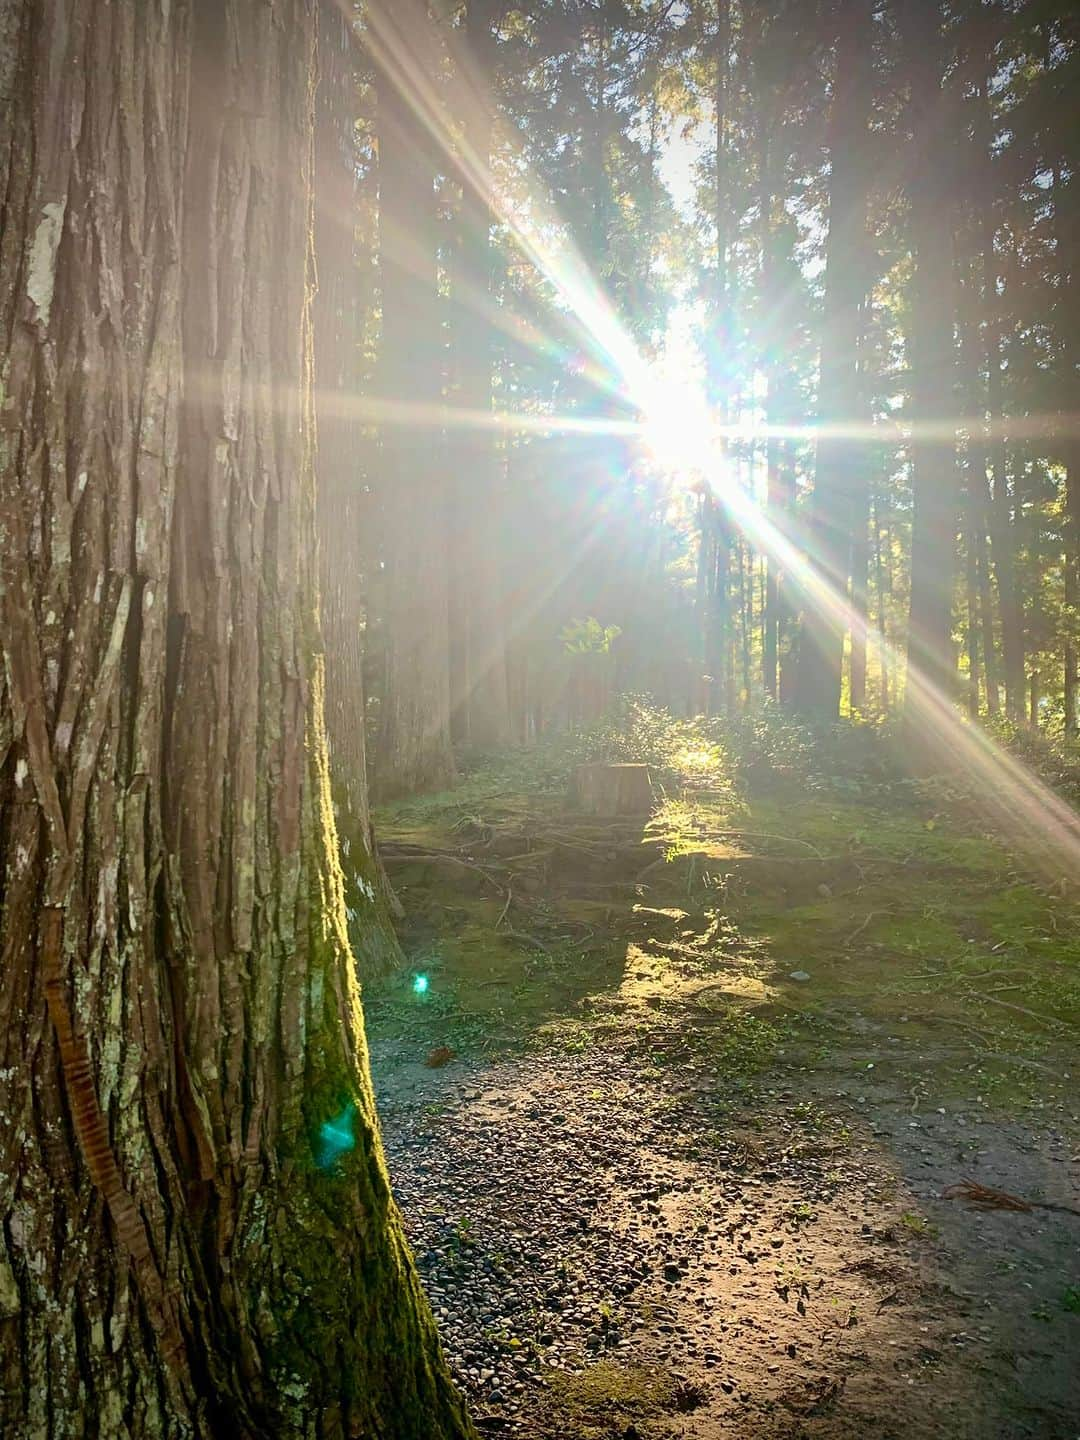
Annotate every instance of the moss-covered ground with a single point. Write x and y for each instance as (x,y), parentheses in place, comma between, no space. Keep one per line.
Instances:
(528,924)
(787,924)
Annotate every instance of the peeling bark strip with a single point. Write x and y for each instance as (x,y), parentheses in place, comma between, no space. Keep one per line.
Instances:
(179,1017)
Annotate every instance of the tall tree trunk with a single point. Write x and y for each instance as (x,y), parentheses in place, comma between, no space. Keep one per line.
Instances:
(1072,588)
(344,504)
(882,585)
(860,581)
(770,610)
(197,1235)
(788,634)
(971,599)
(479,696)
(716,617)
(413,751)
(1000,526)
(979,631)
(821,646)
(934,474)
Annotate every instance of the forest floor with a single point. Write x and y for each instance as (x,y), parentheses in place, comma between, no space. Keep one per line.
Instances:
(672,1109)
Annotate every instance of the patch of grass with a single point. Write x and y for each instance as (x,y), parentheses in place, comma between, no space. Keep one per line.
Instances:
(606,1390)
(916,1224)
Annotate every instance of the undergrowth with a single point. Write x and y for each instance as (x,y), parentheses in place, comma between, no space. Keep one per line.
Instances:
(800,874)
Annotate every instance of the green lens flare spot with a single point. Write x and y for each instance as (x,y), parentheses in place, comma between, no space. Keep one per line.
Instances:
(420,984)
(336,1137)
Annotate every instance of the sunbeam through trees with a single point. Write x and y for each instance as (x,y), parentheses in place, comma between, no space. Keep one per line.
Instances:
(539,719)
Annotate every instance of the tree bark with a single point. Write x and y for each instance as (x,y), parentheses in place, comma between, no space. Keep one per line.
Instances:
(716,530)
(934,474)
(821,646)
(198,1237)
(479,694)
(345,508)
(413,751)
(883,586)
(1071,677)
(1000,524)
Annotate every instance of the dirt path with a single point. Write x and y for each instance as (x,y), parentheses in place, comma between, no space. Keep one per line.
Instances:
(597,1272)
(649,1200)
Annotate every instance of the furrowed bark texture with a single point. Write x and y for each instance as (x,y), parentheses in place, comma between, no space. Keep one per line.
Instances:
(197,1236)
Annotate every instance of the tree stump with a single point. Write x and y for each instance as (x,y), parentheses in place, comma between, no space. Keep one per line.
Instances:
(600,788)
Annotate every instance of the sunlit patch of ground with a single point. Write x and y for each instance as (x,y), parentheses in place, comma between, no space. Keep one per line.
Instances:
(713,1076)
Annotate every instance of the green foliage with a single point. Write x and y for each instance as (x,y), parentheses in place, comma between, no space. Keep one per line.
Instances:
(681,753)
(588,637)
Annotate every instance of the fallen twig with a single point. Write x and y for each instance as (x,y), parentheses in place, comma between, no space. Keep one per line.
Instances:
(861,927)
(1020,1009)
(435,857)
(985,1197)
(506,907)
(527,938)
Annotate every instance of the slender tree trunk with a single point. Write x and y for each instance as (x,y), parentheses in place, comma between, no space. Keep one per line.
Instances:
(772,299)
(480,701)
(832,504)
(746,585)
(770,610)
(788,643)
(881,587)
(198,1236)
(860,561)
(971,598)
(344,505)
(972,356)
(1072,588)
(1002,535)
(933,455)
(718,638)
(413,751)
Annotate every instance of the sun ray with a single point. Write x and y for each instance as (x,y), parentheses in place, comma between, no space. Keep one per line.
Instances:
(683,436)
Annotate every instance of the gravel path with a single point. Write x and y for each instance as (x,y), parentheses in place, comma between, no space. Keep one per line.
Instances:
(776,1280)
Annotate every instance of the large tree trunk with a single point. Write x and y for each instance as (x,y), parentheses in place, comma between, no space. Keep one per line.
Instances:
(934,474)
(197,1233)
(836,481)
(413,751)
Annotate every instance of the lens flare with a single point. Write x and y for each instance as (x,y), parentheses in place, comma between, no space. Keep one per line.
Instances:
(337,1137)
(677,427)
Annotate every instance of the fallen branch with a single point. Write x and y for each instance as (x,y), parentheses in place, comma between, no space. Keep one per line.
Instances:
(984,1197)
(527,938)
(434,857)
(506,907)
(1020,1009)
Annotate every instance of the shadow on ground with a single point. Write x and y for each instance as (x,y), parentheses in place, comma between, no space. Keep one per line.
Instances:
(666,1189)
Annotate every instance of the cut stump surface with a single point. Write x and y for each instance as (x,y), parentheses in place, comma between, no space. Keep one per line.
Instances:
(600,788)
